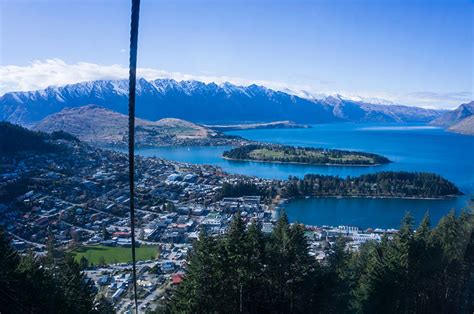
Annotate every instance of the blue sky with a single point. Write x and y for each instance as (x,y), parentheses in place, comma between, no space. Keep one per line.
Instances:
(411,52)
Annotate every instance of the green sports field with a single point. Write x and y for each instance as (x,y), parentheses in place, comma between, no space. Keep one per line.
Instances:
(98,253)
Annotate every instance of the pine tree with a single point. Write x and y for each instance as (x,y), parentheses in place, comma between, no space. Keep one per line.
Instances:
(84,263)
(38,290)
(451,236)
(78,292)
(9,261)
(337,278)
(199,292)
(301,268)
(468,293)
(105,233)
(255,292)
(236,252)
(379,285)
(277,270)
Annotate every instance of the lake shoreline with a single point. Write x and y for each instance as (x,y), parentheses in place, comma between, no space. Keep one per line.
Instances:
(304,163)
(447,197)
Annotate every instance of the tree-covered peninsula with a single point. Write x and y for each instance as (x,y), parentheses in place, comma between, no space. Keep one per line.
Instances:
(381,184)
(399,184)
(304,155)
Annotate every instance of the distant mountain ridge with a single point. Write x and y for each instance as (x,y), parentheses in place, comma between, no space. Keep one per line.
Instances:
(204,103)
(104,127)
(460,120)
(452,117)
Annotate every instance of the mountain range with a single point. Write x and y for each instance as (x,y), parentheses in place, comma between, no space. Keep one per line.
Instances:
(202,103)
(104,127)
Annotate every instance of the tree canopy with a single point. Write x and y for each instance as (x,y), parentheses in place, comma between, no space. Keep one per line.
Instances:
(15,138)
(422,271)
(383,184)
(54,284)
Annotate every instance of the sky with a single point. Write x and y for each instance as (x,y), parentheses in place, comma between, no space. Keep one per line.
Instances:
(409,52)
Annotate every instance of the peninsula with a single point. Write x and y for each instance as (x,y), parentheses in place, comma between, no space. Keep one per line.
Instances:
(255,126)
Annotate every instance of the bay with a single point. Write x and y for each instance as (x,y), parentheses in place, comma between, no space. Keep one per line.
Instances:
(368,212)
(410,147)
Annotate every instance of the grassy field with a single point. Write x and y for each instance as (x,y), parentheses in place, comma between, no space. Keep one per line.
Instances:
(97,253)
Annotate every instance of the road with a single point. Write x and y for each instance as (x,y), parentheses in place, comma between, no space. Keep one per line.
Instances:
(38,245)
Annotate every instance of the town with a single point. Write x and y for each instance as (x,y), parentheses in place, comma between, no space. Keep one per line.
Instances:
(79,202)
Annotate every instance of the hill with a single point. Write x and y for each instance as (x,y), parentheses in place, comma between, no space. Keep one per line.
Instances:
(15,139)
(204,103)
(465,126)
(450,118)
(356,111)
(459,120)
(97,125)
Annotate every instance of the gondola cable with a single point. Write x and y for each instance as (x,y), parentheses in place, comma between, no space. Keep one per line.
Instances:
(131,132)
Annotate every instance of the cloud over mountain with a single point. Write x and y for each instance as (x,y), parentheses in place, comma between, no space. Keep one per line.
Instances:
(41,74)
(56,72)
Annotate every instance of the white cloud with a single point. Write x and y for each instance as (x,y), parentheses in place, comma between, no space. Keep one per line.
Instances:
(451,99)
(40,74)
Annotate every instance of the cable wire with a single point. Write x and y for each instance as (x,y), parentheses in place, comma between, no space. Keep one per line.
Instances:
(131,132)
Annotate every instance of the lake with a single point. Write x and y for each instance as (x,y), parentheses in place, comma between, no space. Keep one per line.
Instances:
(410,147)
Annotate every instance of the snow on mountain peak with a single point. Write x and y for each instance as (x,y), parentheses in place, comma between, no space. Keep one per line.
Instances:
(203,102)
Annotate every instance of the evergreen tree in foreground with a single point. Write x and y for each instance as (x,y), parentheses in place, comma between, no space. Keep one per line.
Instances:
(54,285)
(245,271)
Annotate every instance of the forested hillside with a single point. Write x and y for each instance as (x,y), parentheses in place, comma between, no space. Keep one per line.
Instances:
(14,138)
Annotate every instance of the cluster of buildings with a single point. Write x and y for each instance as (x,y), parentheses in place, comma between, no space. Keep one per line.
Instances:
(81,199)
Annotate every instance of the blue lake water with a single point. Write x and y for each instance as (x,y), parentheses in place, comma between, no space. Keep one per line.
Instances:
(410,147)
(368,212)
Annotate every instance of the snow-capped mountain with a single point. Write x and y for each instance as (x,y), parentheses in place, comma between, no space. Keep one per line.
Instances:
(200,102)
